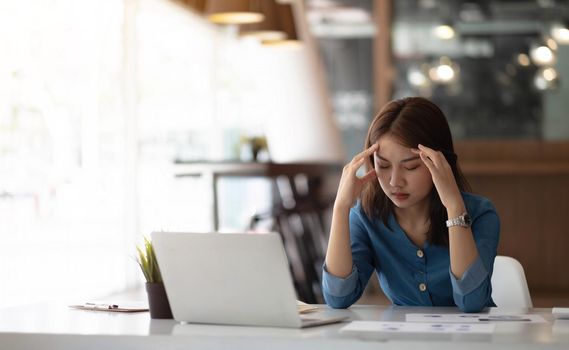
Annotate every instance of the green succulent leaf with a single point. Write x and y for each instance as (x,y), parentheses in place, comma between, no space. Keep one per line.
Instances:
(146,259)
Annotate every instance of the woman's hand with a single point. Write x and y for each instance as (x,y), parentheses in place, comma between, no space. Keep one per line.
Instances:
(350,184)
(443,178)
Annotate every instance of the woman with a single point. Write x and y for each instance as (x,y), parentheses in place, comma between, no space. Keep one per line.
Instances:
(430,242)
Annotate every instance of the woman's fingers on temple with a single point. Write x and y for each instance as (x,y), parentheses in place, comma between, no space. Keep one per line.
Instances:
(428,162)
(354,165)
(358,163)
(367,152)
(428,151)
(422,153)
(431,154)
(369,176)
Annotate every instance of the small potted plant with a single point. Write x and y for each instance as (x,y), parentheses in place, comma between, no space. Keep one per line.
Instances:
(157,298)
(251,148)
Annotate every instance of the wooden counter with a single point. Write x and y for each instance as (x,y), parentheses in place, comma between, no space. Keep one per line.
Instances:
(528,181)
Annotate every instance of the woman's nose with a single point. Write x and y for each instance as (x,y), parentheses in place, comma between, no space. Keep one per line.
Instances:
(396,179)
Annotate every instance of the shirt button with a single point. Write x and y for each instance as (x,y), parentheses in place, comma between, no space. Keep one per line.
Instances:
(420,253)
(422,287)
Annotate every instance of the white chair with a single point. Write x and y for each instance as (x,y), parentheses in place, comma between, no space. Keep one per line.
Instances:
(509,285)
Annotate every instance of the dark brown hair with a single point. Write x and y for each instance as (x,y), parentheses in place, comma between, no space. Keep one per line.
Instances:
(412,121)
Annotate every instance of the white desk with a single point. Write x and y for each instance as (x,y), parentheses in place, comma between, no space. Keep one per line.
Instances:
(56,327)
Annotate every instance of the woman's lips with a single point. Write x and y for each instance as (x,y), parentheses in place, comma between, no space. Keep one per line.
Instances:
(401,196)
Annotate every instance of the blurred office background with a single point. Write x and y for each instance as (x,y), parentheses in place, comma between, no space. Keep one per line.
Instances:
(104,104)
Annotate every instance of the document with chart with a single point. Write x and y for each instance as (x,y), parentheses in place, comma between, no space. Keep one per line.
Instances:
(408,327)
(473,318)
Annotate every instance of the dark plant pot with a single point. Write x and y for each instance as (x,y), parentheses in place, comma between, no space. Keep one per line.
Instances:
(158,301)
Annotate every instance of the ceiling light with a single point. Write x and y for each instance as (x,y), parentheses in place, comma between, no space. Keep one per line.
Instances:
(549,74)
(284,44)
(232,12)
(235,17)
(278,24)
(560,32)
(417,77)
(265,35)
(551,44)
(444,72)
(523,60)
(444,31)
(542,55)
(546,79)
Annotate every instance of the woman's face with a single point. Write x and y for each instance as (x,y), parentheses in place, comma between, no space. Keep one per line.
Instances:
(401,173)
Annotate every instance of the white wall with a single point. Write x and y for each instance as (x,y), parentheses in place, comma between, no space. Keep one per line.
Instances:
(96,101)
(61,150)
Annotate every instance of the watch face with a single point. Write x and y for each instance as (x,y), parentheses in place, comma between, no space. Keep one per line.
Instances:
(467,219)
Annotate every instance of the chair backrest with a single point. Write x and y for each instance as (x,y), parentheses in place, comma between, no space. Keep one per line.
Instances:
(509,285)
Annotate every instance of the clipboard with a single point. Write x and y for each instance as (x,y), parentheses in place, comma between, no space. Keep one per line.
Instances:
(109,307)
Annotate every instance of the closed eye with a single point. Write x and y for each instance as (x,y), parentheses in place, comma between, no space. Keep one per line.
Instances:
(412,167)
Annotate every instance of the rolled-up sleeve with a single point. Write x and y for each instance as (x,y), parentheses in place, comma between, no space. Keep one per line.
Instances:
(339,292)
(473,291)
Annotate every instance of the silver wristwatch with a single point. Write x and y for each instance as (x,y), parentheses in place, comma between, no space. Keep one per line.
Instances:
(462,220)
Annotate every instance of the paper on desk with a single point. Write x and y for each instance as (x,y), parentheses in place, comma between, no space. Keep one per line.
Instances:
(473,318)
(403,327)
(304,308)
(560,313)
(112,307)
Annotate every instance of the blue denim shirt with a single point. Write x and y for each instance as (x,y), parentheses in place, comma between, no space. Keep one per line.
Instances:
(411,275)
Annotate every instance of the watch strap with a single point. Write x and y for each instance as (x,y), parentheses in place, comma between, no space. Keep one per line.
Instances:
(462,220)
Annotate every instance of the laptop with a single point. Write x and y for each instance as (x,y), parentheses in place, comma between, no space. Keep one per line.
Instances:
(230,279)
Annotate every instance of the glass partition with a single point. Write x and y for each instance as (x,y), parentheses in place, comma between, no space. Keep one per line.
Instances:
(498,69)
(495,67)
